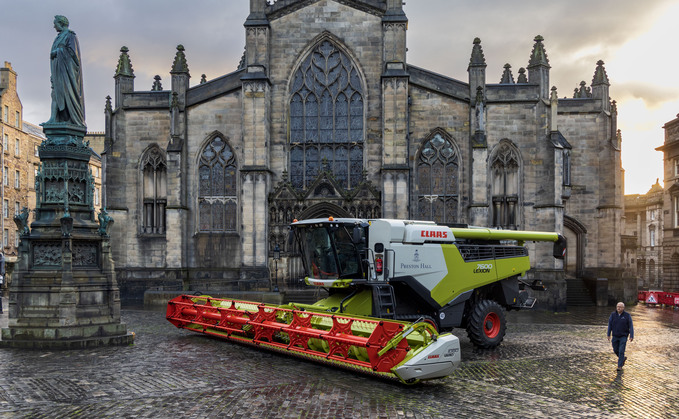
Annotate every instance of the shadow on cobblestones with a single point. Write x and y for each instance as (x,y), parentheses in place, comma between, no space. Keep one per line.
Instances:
(549,365)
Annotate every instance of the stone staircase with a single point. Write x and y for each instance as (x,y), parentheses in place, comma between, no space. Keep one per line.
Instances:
(577,293)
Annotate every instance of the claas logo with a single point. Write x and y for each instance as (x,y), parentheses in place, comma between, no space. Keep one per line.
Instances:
(434,234)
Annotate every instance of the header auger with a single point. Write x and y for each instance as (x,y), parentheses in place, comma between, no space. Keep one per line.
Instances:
(393,285)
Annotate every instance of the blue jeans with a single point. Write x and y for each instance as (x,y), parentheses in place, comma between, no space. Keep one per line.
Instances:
(619,343)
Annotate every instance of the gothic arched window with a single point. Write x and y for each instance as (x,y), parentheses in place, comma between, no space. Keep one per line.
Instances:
(326,119)
(217,195)
(154,191)
(504,175)
(438,181)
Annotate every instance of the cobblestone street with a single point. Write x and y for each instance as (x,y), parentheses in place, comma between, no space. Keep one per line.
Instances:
(550,365)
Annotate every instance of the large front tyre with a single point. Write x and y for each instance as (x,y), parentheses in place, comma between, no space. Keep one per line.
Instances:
(487,325)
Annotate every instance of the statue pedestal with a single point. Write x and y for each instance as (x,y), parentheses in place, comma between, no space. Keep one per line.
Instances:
(64,292)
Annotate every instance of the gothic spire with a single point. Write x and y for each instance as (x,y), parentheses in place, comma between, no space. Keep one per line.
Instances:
(180,65)
(477,58)
(124,64)
(522,76)
(583,93)
(507,77)
(600,76)
(538,56)
(157,85)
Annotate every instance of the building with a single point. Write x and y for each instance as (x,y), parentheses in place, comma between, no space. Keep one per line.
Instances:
(20,141)
(642,240)
(670,243)
(320,120)
(21,163)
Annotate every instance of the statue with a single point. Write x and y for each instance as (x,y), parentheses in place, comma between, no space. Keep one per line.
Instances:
(105,222)
(21,221)
(68,102)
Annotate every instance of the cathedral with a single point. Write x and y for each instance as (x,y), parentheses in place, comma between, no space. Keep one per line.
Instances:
(323,116)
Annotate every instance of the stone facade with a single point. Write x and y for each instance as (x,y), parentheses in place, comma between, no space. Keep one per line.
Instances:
(670,243)
(324,116)
(643,236)
(20,141)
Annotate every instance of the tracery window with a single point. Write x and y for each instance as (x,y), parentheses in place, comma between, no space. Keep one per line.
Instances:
(154,191)
(217,196)
(438,181)
(326,119)
(504,168)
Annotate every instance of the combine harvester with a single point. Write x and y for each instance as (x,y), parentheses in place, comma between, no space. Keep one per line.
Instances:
(393,285)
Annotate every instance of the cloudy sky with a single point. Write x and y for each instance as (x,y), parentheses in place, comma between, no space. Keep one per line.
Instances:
(635,39)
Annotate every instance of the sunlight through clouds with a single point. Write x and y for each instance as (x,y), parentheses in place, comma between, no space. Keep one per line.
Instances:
(642,67)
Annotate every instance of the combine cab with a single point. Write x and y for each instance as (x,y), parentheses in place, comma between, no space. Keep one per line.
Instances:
(393,285)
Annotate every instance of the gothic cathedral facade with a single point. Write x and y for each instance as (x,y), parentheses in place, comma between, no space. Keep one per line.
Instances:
(325,117)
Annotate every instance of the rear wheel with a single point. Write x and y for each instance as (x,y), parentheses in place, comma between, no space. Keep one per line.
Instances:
(487,325)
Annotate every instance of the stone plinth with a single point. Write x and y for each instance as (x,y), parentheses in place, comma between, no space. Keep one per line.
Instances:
(64,293)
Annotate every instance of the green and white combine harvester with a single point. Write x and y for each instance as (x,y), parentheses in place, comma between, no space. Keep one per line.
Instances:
(394,287)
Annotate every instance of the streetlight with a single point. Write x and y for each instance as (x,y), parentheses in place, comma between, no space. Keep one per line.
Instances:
(276,256)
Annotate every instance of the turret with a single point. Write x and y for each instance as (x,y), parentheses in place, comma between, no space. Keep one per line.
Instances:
(477,94)
(538,67)
(476,70)
(180,76)
(600,86)
(257,31)
(394,26)
(124,76)
(507,76)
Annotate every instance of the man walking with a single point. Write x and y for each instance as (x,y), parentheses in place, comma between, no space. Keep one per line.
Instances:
(620,325)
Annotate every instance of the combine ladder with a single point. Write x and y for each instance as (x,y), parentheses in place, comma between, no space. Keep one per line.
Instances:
(383,301)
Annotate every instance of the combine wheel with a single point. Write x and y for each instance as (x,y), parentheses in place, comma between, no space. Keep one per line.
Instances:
(486,327)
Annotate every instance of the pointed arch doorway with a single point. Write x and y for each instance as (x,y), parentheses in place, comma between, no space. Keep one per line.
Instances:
(324,210)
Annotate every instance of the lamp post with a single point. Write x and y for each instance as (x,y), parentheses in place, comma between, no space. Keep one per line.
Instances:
(276,256)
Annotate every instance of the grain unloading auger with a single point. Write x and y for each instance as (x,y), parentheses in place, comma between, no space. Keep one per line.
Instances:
(409,352)
(392,285)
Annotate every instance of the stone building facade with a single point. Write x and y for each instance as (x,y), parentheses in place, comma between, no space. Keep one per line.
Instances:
(20,141)
(20,161)
(324,116)
(643,237)
(670,243)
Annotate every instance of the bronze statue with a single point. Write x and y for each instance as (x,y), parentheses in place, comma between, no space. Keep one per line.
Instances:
(68,102)
(105,222)
(21,221)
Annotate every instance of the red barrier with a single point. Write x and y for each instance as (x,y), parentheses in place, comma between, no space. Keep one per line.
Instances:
(659,297)
(666,298)
(641,296)
(652,297)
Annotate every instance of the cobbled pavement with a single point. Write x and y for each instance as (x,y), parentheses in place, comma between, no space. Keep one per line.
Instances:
(550,365)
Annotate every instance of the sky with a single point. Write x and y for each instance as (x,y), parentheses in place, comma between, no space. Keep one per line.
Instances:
(635,39)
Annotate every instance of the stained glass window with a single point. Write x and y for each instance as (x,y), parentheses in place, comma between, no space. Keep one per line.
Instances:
(326,119)
(217,177)
(504,167)
(154,193)
(438,181)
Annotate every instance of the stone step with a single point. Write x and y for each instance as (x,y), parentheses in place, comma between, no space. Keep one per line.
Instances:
(577,293)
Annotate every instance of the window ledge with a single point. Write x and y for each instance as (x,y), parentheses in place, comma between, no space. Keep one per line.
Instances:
(151,235)
(216,233)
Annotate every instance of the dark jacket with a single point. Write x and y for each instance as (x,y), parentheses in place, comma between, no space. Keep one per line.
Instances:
(620,325)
